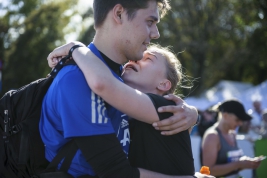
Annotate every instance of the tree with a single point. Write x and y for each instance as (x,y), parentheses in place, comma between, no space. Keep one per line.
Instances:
(39,29)
(257,45)
(88,33)
(212,38)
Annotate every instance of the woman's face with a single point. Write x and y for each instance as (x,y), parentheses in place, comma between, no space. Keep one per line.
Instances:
(234,121)
(146,74)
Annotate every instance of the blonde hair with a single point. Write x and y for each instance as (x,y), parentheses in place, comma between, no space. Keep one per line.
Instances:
(173,65)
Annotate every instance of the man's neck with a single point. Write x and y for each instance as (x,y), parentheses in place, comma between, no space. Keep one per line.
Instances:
(112,65)
(109,48)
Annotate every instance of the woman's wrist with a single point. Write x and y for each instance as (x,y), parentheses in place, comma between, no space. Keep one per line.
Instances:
(73,43)
(237,165)
(73,48)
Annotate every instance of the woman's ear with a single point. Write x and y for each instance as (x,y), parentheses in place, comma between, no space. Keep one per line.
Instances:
(117,13)
(225,115)
(164,85)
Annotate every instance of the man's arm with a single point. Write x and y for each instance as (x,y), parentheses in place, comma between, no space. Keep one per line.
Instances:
(104,154)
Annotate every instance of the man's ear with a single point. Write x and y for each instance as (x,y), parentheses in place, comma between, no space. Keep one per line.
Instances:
(117,13)
(164,85)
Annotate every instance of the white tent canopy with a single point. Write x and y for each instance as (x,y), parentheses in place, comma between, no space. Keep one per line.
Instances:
(224,90)
(200,103)
(256,93)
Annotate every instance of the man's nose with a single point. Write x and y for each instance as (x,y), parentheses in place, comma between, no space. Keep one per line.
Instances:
(154,33)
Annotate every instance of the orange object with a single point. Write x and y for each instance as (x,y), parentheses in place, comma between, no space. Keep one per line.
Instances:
(205,170)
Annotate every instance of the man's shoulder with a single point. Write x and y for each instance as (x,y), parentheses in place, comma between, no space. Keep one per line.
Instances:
(70,78)
(68,70)
(70,74)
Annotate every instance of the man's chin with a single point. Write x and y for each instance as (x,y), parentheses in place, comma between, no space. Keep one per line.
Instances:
(138,57)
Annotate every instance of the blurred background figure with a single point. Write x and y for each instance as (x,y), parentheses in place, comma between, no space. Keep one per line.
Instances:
(264,124)
(256,113)
(208,118)
(261,130)
(219,145)
(254,129)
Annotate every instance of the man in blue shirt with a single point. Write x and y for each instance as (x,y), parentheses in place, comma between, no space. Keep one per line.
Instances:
(71,111)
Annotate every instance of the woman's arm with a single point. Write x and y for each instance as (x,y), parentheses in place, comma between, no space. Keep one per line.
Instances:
(100,79)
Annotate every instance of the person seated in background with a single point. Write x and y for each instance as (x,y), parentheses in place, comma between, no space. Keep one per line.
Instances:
(219,146)
(252,128)
(149,149)
(264,124)
(256,114)
(262,130)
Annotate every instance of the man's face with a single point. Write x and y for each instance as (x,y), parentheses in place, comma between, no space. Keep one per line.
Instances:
(147,73)
(138,32)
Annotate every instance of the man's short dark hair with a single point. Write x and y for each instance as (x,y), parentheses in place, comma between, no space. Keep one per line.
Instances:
(102,7)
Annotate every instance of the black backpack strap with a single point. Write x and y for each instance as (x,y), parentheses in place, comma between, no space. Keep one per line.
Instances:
(54,175)
(59,66)
(6,126)
(70,152)
(7,101)
(67,152)
(24,142)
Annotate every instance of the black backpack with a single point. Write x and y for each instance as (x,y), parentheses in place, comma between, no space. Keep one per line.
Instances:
(22,152)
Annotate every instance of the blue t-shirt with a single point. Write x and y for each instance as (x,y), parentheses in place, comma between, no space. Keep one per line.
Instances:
(71,109)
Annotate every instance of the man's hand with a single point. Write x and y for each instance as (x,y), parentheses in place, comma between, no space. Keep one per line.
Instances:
(55,56)
(184,116)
